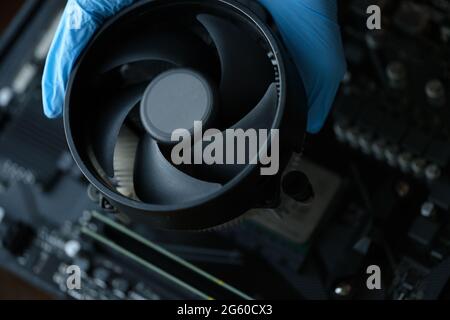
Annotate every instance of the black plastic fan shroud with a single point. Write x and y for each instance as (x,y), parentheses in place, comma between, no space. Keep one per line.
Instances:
(161,65)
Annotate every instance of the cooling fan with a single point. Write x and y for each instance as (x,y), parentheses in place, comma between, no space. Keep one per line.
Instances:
(163,65)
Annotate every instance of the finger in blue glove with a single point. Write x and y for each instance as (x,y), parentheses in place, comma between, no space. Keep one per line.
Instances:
(312,36)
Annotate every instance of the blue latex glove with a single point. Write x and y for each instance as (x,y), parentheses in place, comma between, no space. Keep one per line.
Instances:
(312,35)
(309,28)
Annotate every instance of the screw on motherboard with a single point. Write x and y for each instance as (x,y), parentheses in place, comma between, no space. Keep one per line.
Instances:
(435,92)
(432,172)
(427,209)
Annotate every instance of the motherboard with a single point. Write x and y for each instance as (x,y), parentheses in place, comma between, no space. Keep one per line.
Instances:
(379,170)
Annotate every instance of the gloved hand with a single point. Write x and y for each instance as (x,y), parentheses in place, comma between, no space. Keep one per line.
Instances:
(309,28)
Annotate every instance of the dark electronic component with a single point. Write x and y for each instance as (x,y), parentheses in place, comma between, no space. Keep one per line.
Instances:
(439,152)
(416,142)
(18,238)
(423,231)
(440,193)
(41,140)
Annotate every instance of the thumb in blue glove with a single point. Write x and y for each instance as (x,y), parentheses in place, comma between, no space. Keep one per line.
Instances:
(80,21)
(309,28)
(312,36)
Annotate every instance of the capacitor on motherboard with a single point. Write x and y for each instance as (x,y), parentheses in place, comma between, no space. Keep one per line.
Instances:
(84,263)
(352,135)
(120,285)
(435,92)
(365,143)
(339,131)
(2,214)
(391,153)
(432,172)
(71,248)
(101,276)
(375,38)
(427,209)
(405,161)
(6,96)
(396,74)
(378,149)
(93,193)
(418,167)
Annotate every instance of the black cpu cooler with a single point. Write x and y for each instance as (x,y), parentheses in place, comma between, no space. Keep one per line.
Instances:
(162,65)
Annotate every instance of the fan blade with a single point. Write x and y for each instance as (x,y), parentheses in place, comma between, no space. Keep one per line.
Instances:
(156,181)
(261,117)
(246,69)
(109,120)
(180,49)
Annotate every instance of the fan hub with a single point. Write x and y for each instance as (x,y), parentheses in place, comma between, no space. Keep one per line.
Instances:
(175,100)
